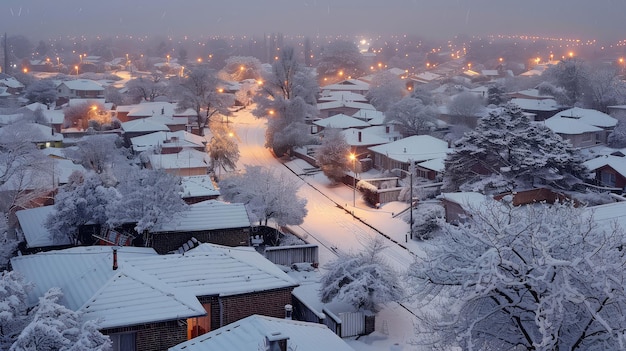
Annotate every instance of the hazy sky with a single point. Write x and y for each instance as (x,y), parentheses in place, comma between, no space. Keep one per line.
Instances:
(585,19)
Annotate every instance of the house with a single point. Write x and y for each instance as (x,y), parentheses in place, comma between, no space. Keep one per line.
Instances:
(416,149)
(198,188)
(31,225)
(610,171)
(529,94)
(54,118)
(147,301)
(80,89)
(582,127)
(134,308)
(256,332)
(331,108)
(372,117)
(152,109)
(361,139)
(187,162)
(168,142)
(210,221)
(352,85)
(13,85)
(541,109)
(142,126)
(340,95)
(340,121)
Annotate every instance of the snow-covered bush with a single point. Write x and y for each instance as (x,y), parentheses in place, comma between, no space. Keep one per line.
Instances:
(427,220)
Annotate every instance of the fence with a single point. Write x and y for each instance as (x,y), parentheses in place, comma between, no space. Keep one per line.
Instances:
(288,255)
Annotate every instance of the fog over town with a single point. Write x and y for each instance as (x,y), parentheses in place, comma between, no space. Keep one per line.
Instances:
(312,175)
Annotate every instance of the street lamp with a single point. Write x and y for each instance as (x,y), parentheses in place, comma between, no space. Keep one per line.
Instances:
(353,159)
(410,174)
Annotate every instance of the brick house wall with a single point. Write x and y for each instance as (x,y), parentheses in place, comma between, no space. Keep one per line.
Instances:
(229,309)
(154,336)
(170,241)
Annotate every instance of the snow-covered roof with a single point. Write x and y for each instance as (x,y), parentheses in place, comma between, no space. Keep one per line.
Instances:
(536,104)
(569,126)
(427,76)
(436,164)
(417,148)
(35,232)
(348,85)
(63,168)
(337,104)
(212,270)
(207,215)
(618,163)
(147,109)
(532,93)
(144,125)
(250,333)
(368,137)
(8,119)
(83,85)
(341,96)
(197,186)
(169,121)
(369,115)
(11,82)
(341,121)
(608,215)
(588,116)
(45,133)
(179,139)
(187,158)
(490,72)
(465,199)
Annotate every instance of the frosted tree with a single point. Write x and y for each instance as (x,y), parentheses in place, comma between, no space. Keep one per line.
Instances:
(202,91)
(363,279)
(239,68)
(84,199)
(466,104)
(605,88)
(287,98)
(145,197)
(572,76)
(13,307)
(8,244)
(385,90)
(332,155)
(340,59)
(43,91)
(495,95)
(507,152)
(79,114)
(55,327)
(267,196)
(617,138)
(99,152)
(222,148)
(412,116)
(540,277)
(147,88)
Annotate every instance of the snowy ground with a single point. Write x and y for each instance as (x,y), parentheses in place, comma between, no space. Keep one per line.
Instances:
(335,224)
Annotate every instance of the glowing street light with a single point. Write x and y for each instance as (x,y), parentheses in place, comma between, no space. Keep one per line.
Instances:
(352,158)
(76,68)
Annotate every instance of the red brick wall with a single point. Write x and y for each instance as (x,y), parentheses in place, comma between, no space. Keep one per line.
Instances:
(155,336)
(166,242)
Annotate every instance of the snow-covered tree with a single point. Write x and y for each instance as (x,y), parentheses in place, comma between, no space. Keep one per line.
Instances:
(267,196)
(385,90)
(605,88)
(79,114)
(247,90)
(363,279)
(54,327)
(617,138)
(332,155)
(147,88)
(201,91)
(239,68)
(412,116)
(222,148)
(145,197)
(495,95)
(340,59)
(84,199)
(286,98)
(427,220)
(571,75)
(466,104)
(507,152)
(13,307)
(540,277)
(43,91)
(8,244)
(99,152)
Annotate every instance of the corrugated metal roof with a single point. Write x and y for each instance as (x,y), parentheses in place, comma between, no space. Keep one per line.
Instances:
(207,215)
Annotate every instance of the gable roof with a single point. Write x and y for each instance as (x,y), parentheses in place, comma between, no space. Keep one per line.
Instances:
(569,126)
(207,215)
(187,158)
(348,85)
(248,334)
(341,96)
(144,125)
(215,270)
(417,148)
(199,185)
(616,162)
(83,85)
(369,137)
(536,104)
(351,104)
(179,139)
(341,121)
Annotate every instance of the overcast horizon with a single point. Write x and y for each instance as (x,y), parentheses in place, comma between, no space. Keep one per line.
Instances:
(42,19)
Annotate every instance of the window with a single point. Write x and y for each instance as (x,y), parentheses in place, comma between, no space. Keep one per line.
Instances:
(607,178)
(123,342)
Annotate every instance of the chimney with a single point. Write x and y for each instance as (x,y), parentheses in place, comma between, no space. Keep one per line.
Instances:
(162,110)
(359,136)
(276,341)
(288,310)
(114,259)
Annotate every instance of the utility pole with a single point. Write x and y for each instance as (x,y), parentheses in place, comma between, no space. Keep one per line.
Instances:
(6,56)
